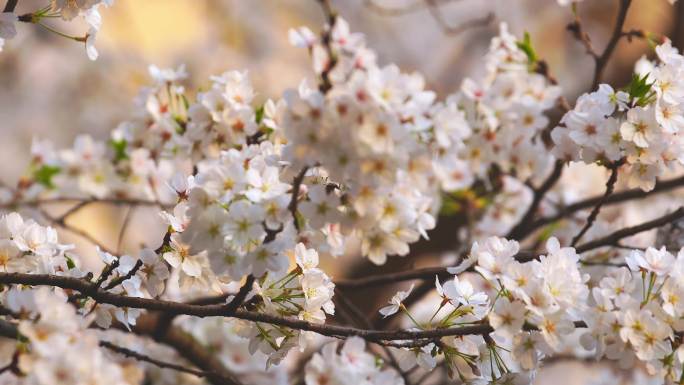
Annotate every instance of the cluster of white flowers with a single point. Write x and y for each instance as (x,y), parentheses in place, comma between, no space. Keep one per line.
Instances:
(549,292)
(366,138)
(498,120)
(224,340)
(67,10)
(233,205)
(257,193)
(637,313)
(28,247)
(370,148)
(61,349)
(305,292)
(352,365)
(640,124)
(143,277)
(145,157)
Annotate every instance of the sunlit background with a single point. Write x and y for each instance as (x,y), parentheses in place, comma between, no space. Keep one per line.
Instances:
(50,90)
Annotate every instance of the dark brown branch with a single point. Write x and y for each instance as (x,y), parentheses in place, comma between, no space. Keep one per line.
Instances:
(241,295)
(623,196)
(614,238)
(10,5)
(102,296)
(115,282)
(610,187)
(429,273)
(326,39)
(603,59)
(294,200)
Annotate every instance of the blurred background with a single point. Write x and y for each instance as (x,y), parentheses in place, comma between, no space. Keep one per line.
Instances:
(50,90)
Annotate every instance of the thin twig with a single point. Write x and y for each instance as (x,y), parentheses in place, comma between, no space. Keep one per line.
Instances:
(602,60)
(615,237)
(124,226)
(294,200)
(429,273)
(141,357)
(610,187)
(619,197)
(115,282)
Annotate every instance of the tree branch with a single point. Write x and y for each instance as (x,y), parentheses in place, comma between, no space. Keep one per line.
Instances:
(10,5)
(179,308)
(90,289)
(326,39)
(610,187)
(602,60)
(612,239)
(518,231)
(428,273)
(623,196)
(239,298)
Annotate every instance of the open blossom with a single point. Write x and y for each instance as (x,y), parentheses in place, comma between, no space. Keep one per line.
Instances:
(462,292)
(507,317)
(493,255)
(180,257)
(395,302)
(658,261)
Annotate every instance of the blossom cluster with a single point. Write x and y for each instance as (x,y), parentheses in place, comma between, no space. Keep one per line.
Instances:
(61,349)
(548,292)
(352,365)
(305,292)
(234,351)
(51,324)
(365,137)
(66,10)
(499,119)
(639,125)
(28,247)
(636,313)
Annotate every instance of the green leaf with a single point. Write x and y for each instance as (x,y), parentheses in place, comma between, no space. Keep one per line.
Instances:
(119,147)
(640,90)
(526,46)
(70,262)
(259,114)
(44,175)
